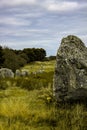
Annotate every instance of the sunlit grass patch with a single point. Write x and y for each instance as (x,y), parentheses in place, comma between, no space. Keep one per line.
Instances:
(35,66)
(13,107)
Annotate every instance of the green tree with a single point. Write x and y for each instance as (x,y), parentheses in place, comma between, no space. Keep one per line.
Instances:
(21,54)
(43,54)
(35,54)
(12,61)
(30,54)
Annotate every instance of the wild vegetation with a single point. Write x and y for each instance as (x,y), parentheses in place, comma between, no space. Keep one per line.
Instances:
(27,103)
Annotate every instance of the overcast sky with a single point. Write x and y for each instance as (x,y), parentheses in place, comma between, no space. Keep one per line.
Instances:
(41,23)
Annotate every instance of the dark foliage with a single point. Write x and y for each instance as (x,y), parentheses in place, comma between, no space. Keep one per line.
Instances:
(14,59)
(35,54)
(52,57)
(1,57)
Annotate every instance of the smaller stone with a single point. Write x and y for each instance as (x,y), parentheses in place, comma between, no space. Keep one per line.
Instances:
(5,72)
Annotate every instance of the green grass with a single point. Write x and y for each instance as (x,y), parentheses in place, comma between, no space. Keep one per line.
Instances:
(23,108)
(47,66)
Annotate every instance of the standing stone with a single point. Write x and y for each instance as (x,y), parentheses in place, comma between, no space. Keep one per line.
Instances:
(70,78)
(18,73)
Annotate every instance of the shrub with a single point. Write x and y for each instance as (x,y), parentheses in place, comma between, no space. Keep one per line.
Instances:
(46,94)
(12,61)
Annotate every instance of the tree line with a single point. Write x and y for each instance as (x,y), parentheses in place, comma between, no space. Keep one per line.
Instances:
(14,59)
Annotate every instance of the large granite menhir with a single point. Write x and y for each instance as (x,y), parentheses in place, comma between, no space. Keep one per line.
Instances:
(70,78)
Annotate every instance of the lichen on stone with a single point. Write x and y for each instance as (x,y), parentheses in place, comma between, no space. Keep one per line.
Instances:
(70,78)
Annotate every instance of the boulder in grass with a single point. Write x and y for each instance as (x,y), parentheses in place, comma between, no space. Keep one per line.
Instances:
(24,73)
(5,73)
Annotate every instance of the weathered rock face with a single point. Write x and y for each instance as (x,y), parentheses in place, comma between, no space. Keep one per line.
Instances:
(70,78)
(4,73)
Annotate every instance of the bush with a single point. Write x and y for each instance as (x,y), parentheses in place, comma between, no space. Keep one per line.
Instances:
(1,57)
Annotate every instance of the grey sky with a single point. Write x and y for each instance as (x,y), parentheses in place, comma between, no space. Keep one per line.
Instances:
(38,23)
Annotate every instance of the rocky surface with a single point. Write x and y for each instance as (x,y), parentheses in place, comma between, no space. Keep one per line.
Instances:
(70,78)
(5,72)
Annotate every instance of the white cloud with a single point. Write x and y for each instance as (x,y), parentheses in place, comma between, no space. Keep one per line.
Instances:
(23,32)
(16,2)
(29,15)
(62,6)
(50,5)
(29,32)
(13,21)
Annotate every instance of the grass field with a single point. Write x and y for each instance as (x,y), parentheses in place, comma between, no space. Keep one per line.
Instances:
(26,103)
(46,66)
